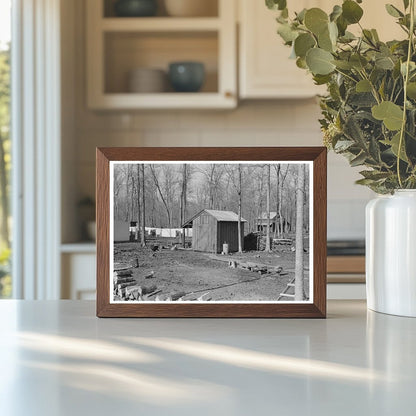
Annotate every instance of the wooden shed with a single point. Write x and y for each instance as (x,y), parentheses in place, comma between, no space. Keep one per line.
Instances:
(211,229)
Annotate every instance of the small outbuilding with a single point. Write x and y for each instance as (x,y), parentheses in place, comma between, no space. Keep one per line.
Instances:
(211,229)
(274,217)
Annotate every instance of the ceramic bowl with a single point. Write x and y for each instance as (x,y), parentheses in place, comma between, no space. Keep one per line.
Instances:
(186,76)
(135,8)
(191,8)
(147,80)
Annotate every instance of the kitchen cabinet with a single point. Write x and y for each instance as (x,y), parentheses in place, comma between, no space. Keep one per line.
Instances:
(118,45)
(78,263)
(265,70)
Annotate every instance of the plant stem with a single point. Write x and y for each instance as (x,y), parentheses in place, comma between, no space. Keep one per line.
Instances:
(406,80)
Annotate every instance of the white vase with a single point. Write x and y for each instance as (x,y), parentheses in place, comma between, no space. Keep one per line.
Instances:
(391,253)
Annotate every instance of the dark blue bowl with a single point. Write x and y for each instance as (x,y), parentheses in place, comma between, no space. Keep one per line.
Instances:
(186,76)
(135,8)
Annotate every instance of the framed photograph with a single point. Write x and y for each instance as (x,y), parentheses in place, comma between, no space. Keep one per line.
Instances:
(211,232)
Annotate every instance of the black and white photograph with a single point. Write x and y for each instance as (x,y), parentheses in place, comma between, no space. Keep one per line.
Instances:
(211,232)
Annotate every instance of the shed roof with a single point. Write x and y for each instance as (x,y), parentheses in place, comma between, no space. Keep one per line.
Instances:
(264,215)
(220,216)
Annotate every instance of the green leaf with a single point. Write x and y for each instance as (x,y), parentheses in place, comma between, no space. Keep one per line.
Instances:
(363,86)
(374,175)
(358,160)
(388,112)
(301,63)
(276,4)
(325,42)
(336,12)
(351,11)
(375,35)
(343,145)
(344,65)
(301,15)
(303,43)
(321,79)
(320,61)
(342,25)
(358,61)
(347,37)
(287,33)
(316,20)
(394,145)
(406,4)
(384,62)
(393,11)
(411,90)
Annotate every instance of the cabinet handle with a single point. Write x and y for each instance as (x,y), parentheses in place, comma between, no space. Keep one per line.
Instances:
(229,94)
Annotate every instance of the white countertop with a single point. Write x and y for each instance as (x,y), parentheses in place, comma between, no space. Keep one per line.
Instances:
(57,358)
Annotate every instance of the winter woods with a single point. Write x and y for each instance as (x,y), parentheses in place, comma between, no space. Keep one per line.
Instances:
(167,195)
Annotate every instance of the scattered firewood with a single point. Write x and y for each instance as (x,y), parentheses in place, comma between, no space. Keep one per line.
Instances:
(201,298)
(123,273)
(154,247)
(151,275)
(176,296)
(149,289)
(174,248)
(119,280)
(154,293)
(124,285)
(134,291)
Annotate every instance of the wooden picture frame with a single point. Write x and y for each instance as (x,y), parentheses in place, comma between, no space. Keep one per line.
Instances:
(315,157)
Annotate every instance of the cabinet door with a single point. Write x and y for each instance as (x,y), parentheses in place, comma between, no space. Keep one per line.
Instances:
(265,68)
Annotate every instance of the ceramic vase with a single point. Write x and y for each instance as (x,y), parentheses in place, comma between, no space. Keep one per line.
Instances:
(391,253)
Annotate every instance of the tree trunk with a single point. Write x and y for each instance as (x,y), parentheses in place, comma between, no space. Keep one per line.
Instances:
(183,203)
(277,218)
(142,208)
(299,284)
(268,211)
(161,196)
(4,196)
(138,201)
(240,245)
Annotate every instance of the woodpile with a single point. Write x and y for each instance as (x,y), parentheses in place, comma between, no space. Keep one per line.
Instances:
(257,268)
(125,288)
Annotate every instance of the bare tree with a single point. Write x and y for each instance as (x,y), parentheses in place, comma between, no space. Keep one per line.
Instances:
(142,207)
(240,197)
(158,186)
(299,283)
(282,221)
(276,218)
(183,201)
(138,201)
(235,176)
(268,248)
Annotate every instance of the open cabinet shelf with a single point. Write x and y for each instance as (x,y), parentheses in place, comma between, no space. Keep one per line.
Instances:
(160,24)
(116,46)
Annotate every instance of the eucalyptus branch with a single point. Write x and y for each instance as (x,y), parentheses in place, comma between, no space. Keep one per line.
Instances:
(406,80)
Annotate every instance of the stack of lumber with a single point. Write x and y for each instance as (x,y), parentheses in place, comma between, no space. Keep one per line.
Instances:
(125,286)
(256,267)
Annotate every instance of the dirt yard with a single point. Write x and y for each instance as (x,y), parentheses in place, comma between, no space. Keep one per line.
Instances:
(196,273)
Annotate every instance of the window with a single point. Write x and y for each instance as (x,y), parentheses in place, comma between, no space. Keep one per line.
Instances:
(5,147)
